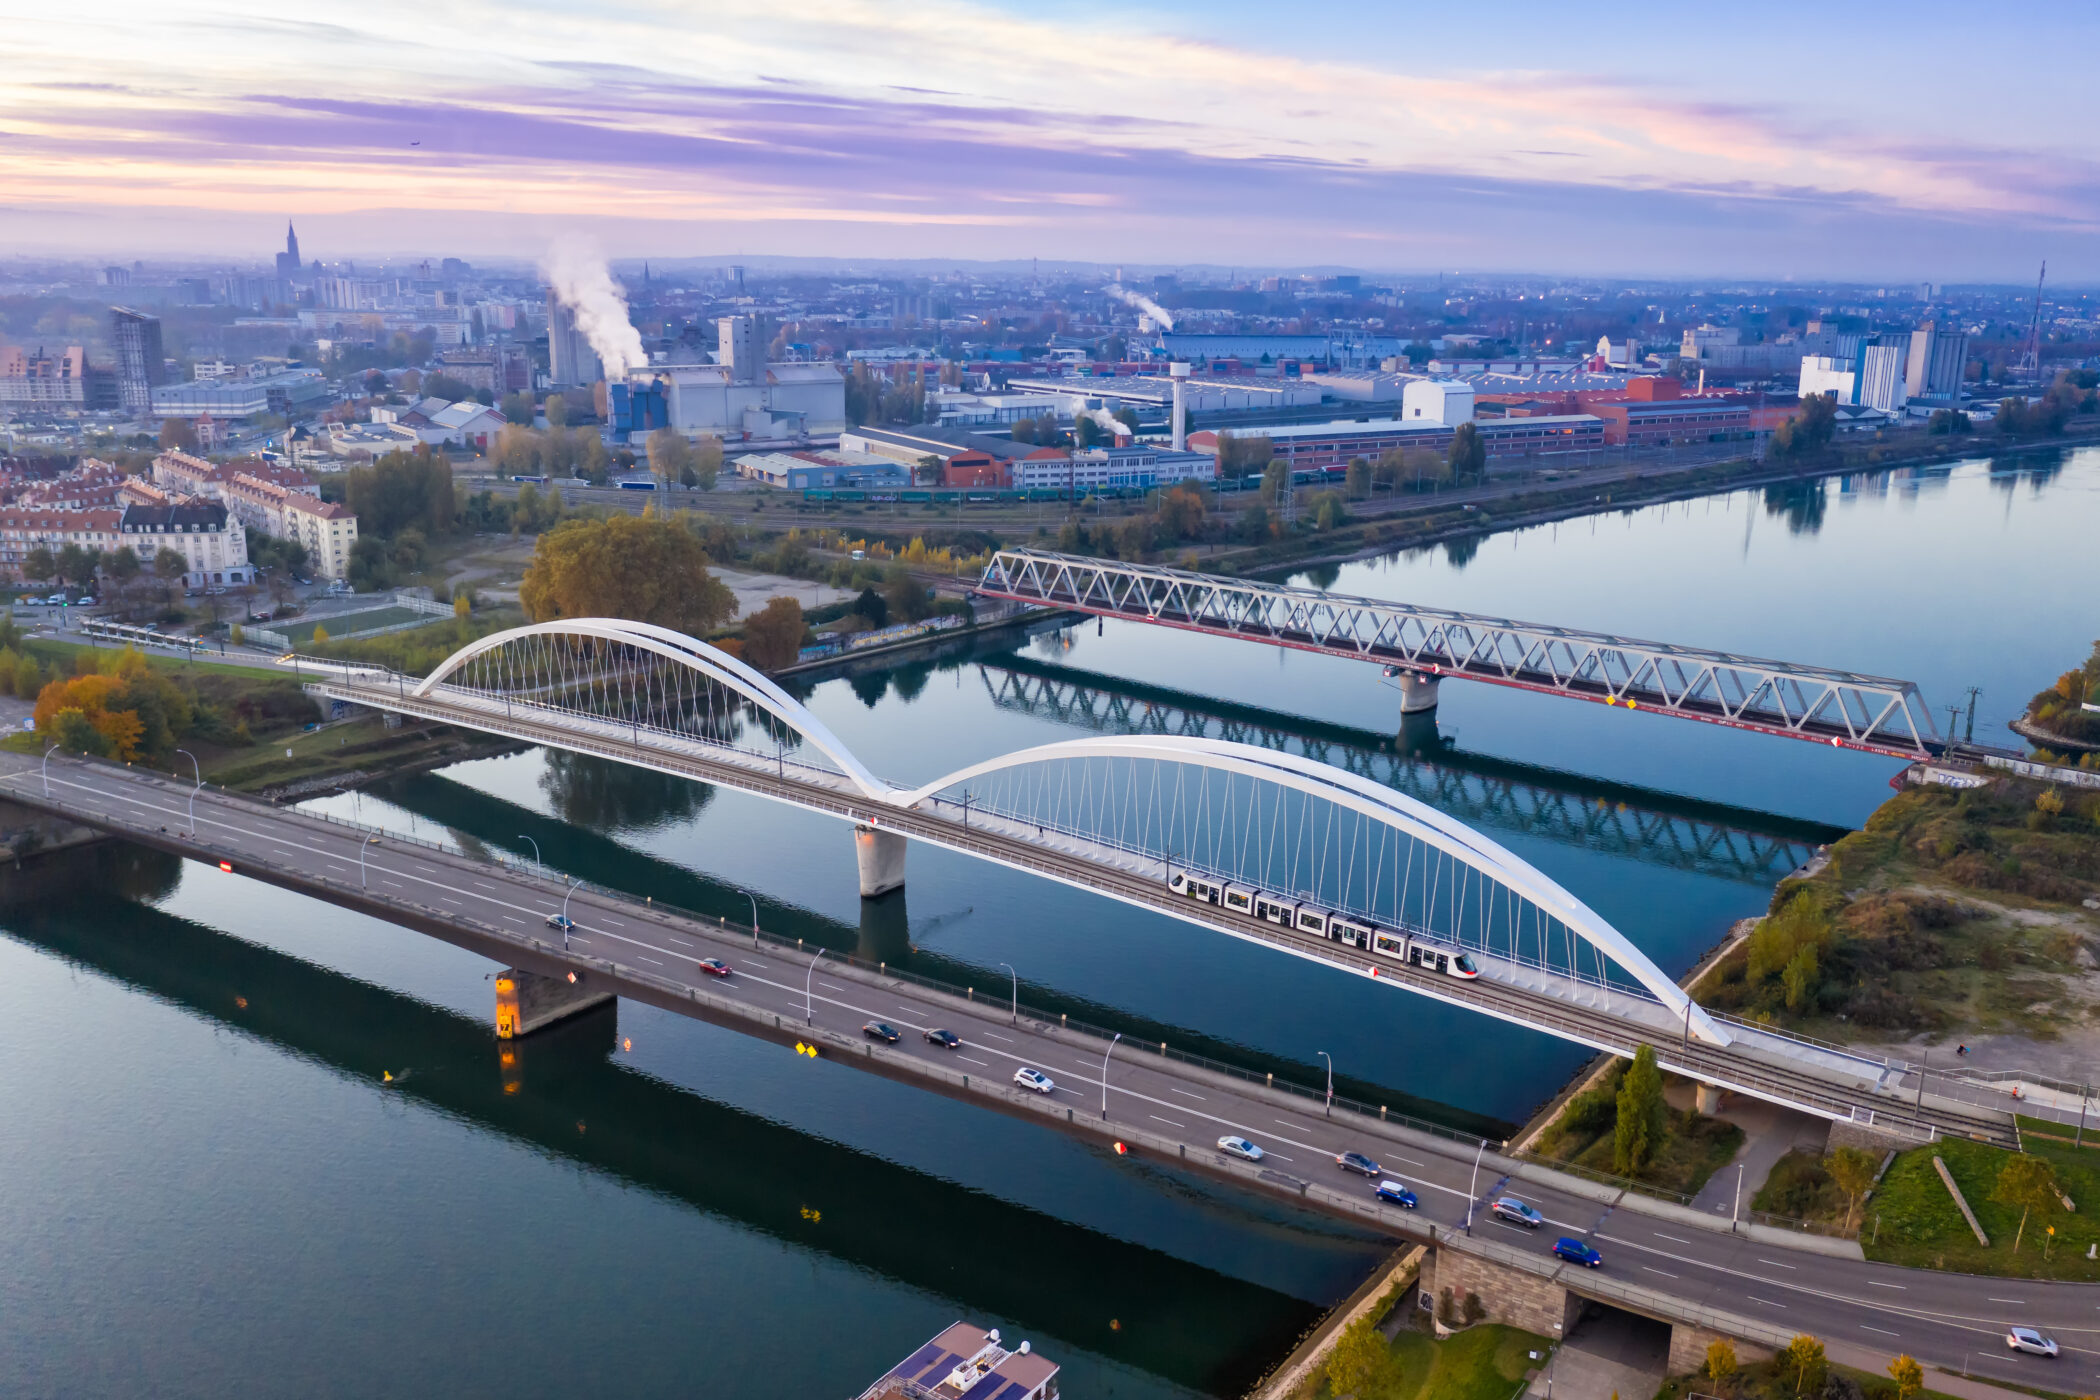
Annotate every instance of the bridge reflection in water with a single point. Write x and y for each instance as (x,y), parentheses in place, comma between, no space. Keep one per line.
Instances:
(1655,828)
(564,1094)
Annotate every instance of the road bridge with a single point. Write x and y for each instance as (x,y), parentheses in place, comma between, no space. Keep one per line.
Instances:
(1424,646)
(1698,1271)
(1299,856)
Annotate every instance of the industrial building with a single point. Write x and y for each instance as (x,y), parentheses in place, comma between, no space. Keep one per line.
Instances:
(742,398)
(289,393)
(1151,394)
(1939,357)
(572,361)
(811,470)
(1122,466)
(1331,446)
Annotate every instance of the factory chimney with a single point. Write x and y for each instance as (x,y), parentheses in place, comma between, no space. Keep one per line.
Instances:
(1180,374)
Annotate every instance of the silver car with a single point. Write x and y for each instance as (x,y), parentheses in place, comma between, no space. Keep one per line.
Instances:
(2030,1341)
(1241,1148)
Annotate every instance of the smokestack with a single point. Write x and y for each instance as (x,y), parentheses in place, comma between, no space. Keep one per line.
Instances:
(1179,371)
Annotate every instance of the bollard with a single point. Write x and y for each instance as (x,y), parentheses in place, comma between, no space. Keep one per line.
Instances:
(1272,1079)
(973,993)
(1061,1018)
(1381,1113)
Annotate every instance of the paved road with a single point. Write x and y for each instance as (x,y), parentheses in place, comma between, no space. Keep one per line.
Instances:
(1165,1106)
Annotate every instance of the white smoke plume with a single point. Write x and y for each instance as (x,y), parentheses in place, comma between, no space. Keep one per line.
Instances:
(1143,303)
(1103,418)
(576,273)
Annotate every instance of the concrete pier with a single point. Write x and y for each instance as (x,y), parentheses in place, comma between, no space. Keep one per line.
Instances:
(527,1002)
(1417,693)
(881,856)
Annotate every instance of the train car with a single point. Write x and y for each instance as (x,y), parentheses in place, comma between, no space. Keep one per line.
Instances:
(1275,909)
(1325,923)
(816,494)
(1240,898)
(637,486)
(1354,932)
(1448,961)
(1196,887)
(1313,920)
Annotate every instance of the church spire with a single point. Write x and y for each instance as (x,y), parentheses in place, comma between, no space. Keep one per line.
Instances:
(291,243)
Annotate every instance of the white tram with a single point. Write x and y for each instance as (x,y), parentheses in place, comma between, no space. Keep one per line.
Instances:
(1318,922)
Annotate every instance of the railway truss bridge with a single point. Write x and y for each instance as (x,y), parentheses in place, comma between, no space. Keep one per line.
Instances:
(1423,646)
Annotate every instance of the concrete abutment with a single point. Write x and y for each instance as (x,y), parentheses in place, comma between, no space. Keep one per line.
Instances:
(527,1002)
(881,855)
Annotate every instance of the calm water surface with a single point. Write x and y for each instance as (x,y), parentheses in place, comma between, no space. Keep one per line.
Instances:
(211,1190)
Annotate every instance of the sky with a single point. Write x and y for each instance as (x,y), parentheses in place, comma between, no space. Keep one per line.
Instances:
(1869,141)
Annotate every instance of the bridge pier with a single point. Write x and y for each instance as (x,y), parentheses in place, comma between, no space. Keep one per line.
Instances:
(527,1002)
(1417,692)
(1706,1098)
(881,855)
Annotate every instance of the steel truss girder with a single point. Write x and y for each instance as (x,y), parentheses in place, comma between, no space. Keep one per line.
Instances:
(1844,709)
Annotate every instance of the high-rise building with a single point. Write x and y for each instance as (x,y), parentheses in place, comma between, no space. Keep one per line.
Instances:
(740,344)
(1938,356)
(289,268)
(1881,375)
(141,361)
(571,359)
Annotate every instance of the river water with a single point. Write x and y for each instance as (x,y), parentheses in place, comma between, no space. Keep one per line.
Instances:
(213,1188)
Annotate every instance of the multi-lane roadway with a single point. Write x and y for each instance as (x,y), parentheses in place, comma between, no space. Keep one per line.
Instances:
(1159,1105)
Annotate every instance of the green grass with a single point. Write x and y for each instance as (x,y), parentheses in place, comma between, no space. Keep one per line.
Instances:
(1921,1228)
(1799,1188)
(342,625)
(1481,1363)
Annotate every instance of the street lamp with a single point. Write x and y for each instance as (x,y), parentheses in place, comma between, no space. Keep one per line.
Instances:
(47,770)
(809,988)
(1104,1074)
(1016,977)
(1330,1080)
(1473,1191)
(538,868)
(368,841)
(566,896)
(754,915)
(193,791)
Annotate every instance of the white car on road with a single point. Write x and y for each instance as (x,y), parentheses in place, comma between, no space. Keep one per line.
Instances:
(1035,1079)
(2030,1341)
(1241,1148)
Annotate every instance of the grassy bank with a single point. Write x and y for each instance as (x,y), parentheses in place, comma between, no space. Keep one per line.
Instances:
(1769,1380)
(1585,1132)
(1950,912)
(1920,1227)
(1481,1363)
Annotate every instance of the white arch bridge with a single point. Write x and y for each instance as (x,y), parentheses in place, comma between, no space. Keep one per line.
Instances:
(1276,849)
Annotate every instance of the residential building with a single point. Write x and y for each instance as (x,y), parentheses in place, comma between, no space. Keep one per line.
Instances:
(184,475)
(571,359)
(328,529)
(259,494)
(23,529)
(142,362)
(210,539)
(46,381)
(1939,356)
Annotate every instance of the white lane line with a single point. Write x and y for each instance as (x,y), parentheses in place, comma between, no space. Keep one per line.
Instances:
(333,866)
(908,1010)
(615,923)
(973,1059)
(1664,1272)
(1671,1238)
(487,886)
(283,852)
(1775,1263)
(395,883)
(1279,1156)
(832,985)
(754,962)
(1187,1095)
(994,1035)
(428,869)
(644,957)
(513,918)
(2008,1300)
(447,899)
(1882,1330)
(1168,1121)
(1872,1283)
(1292,1126)
(1410,1161)
(1766,1301)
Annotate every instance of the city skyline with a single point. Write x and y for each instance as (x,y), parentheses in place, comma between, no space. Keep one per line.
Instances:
(985,131)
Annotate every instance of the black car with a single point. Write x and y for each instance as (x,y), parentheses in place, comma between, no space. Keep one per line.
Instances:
(947,1040)
(1357,1162)
(880,1030)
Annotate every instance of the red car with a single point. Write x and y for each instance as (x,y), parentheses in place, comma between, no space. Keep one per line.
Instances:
(714,966)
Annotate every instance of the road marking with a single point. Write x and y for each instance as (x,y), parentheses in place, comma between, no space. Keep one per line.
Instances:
(1272,1152)
(1882,1330)
(754,962)
(1873,1283)
(832,985)
(2008,1300)
(973,1059)
(1409,1160)
(1766,1301)
(486,885)
(644,957)
(615,923)
(1775,1263)
(1664,1272)
(333,866)
(447,899)
(428,869)
(1168,1121)
(1292,1126)
(994,1035)
(395,883)
(907,1010)
(1187,1095)
(1671,1238)
(513,918)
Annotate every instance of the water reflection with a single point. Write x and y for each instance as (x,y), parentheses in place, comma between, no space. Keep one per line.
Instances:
(607,796)
(1801,504)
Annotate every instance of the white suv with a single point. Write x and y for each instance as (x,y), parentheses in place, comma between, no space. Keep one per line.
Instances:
(1035,1079)
(2030,1341)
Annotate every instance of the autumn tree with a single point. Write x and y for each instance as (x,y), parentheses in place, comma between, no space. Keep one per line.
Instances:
(1359,1355)
(905,595)
(38,565)
(773,635)
(402,491)
(1908,1375)
(1642,1124)
(670,457)
(1720,1364)
(1357,481)
(1852,1168)
(642,568)
(1468,454)
(178,435)
(1804,1360)
(1181,512)
(1808,431)
(707,463)
(2028,1182)
(1275,480)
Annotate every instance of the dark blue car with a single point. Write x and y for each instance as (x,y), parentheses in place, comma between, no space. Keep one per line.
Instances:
(1395,1193)
(1576,1252)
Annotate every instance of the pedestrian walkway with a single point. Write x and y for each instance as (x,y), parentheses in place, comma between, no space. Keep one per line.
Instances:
(1769,1133)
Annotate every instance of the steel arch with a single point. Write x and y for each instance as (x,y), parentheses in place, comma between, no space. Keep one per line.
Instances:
(689,652)
(1378,803)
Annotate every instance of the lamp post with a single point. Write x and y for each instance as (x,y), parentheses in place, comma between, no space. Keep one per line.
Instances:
(809,989)
(47,770)
(193,791)
(1104,1074)
(754,915)
(566,896)
(537,867)
(368,841)
(1016,991)
(1330,1080)
(1473,1191)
